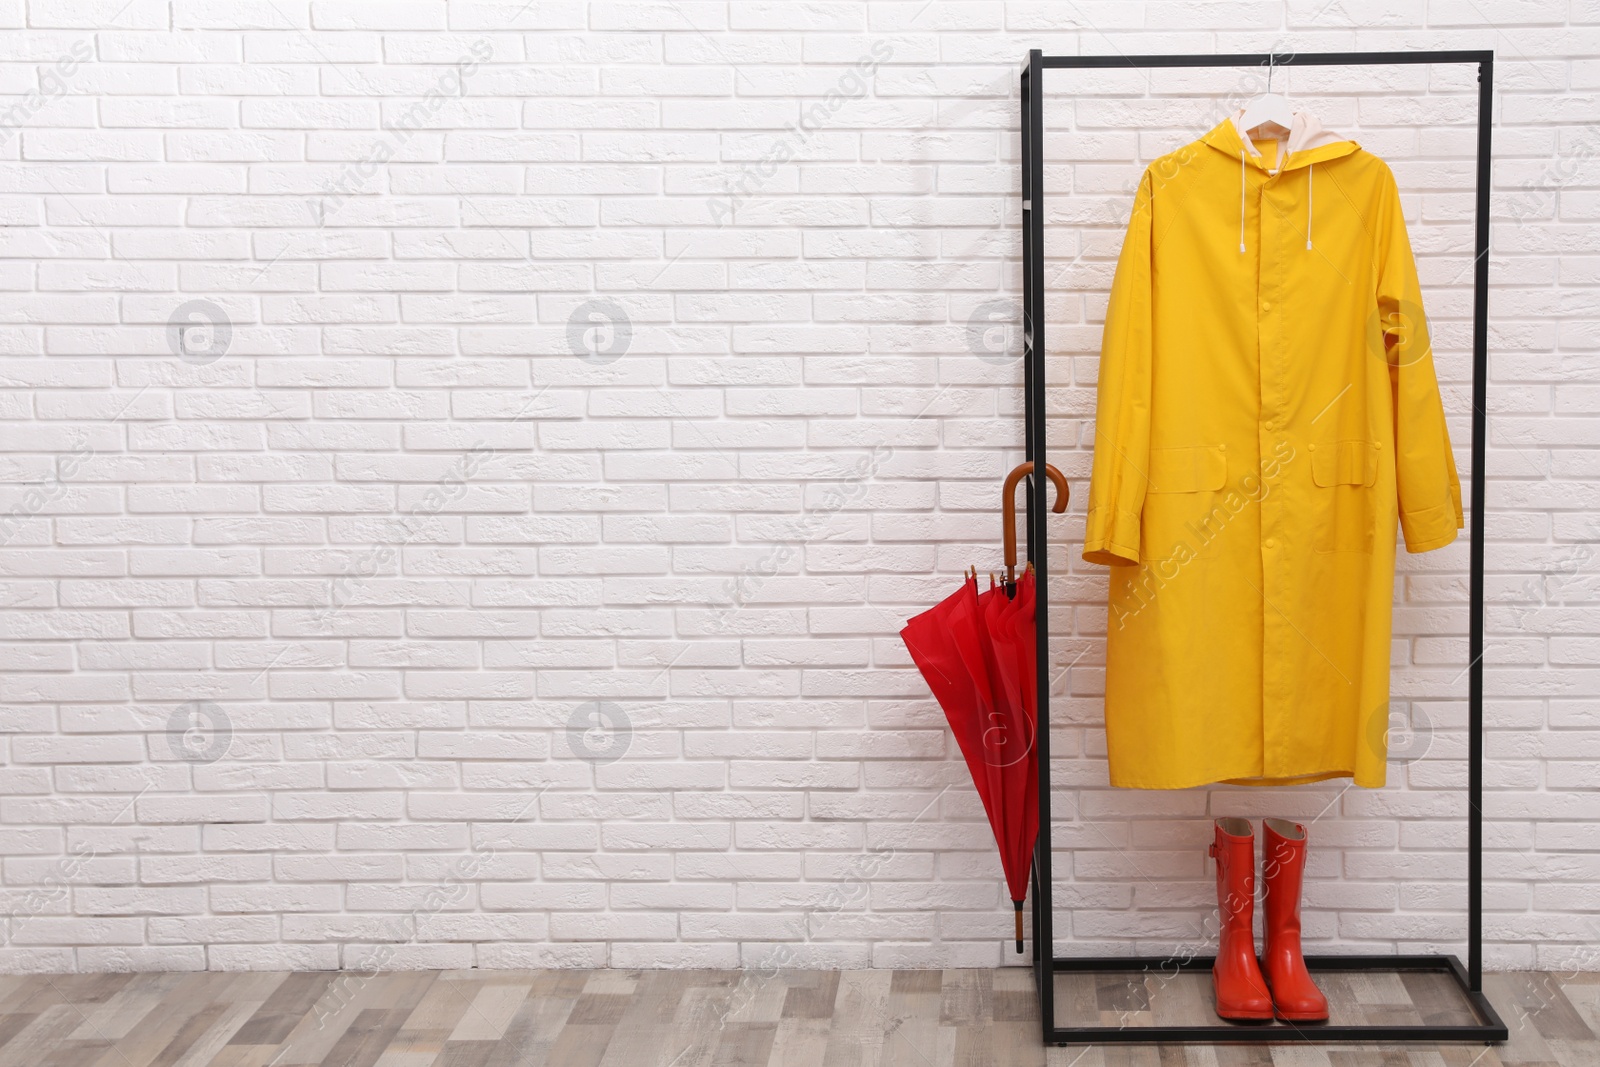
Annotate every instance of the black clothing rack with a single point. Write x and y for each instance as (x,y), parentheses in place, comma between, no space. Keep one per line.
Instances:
(1046,964)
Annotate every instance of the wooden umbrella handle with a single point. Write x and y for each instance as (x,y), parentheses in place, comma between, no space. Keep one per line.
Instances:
(1008,508)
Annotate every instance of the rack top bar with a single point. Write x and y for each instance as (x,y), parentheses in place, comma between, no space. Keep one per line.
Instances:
(1287,59)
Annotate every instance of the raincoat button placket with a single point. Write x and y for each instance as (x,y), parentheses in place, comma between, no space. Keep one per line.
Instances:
(1271,399)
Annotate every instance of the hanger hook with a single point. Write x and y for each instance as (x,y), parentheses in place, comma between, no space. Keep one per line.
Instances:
(1272,61)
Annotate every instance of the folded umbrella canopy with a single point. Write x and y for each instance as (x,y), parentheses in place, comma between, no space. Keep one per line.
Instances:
(978,654)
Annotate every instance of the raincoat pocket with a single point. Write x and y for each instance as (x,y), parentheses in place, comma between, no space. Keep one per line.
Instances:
(1346,472)
(1182,516)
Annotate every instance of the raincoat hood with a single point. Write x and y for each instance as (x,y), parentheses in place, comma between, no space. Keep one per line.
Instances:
(1308,142)
(1306,145)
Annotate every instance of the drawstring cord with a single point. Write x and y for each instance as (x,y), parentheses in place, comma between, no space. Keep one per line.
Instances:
(1241,201)
(1310,188)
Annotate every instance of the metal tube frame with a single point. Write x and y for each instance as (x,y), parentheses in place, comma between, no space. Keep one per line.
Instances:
(1046,965)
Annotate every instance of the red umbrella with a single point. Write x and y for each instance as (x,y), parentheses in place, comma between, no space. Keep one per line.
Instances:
(978,654)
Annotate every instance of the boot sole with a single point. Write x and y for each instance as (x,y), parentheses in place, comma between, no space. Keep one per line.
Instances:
(1267,1018)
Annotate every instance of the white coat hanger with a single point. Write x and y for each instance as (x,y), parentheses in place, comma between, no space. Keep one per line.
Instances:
(1268,109)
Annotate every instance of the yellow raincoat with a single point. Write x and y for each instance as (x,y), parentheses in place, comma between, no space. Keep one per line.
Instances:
(1267,410)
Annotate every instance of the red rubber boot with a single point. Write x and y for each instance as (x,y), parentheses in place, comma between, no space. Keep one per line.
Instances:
(1241,991)
(1295,997)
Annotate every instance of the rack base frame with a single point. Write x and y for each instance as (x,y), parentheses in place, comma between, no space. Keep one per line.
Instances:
(1490,1029)
(1468,978)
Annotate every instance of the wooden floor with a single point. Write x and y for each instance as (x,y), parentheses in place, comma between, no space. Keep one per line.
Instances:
(959,1018)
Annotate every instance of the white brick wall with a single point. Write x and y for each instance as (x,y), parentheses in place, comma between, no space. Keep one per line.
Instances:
(649,361)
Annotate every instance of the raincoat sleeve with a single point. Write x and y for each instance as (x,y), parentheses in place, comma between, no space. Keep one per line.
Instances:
(1425,467)
(1122,408)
